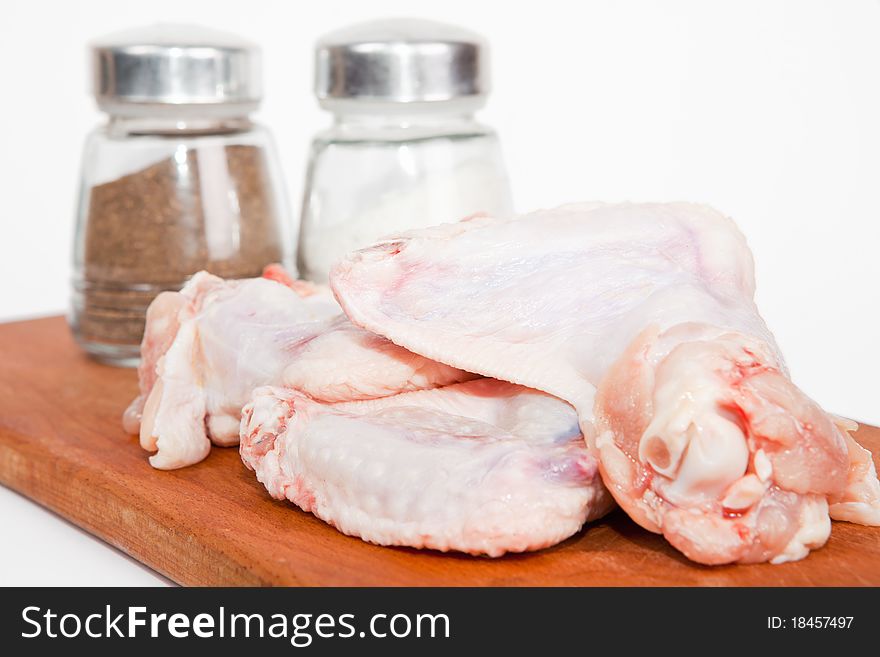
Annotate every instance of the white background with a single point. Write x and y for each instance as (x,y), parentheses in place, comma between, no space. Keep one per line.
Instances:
(768,110)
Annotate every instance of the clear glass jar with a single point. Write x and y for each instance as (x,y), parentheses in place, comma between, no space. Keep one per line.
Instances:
(371,176)
(169,189)
(405,150)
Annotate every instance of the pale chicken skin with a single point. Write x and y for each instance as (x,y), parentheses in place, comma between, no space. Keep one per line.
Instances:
(483,467)
(642,316)
(206,348)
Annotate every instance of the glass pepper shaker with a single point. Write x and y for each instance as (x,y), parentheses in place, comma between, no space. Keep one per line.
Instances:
(178,179)
(404,150)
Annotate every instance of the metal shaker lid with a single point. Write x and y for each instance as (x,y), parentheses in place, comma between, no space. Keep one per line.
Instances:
(401,61)
(175,65)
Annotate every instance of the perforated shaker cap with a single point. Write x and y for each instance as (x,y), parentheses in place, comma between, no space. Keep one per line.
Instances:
(401,61)
(178,65)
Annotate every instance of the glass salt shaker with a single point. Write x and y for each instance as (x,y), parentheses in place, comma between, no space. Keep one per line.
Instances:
(178,179)
(404,150)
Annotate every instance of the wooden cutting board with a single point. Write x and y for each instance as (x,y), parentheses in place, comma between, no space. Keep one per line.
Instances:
(62,445)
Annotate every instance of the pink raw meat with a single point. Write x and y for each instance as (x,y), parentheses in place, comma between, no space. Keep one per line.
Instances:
(484,467)
(642,316)
(207,347)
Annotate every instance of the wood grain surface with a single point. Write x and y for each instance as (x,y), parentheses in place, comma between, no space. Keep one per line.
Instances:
(62,445)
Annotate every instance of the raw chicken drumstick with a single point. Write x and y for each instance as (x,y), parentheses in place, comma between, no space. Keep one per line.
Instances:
(207,347)
(642,316)
(484,467)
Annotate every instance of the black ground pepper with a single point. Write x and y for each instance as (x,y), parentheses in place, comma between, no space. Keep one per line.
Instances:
(149,231)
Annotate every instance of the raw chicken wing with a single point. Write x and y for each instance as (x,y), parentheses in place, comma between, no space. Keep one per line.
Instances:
(642,316)
(206,349)
(484,467)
